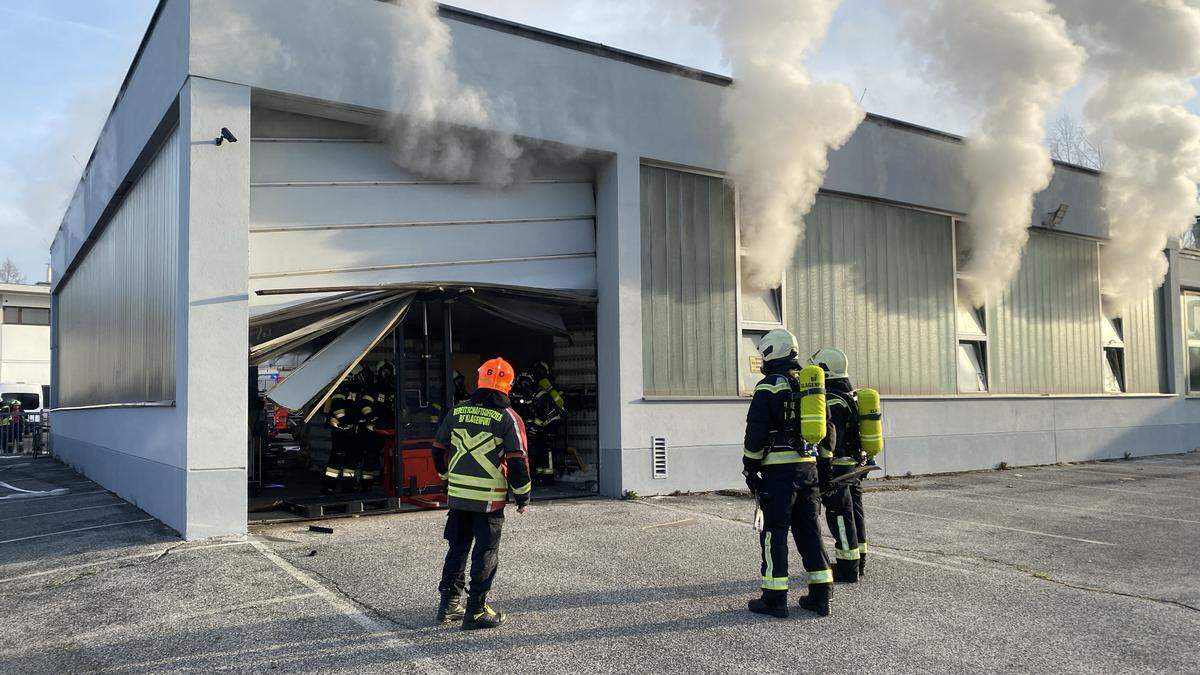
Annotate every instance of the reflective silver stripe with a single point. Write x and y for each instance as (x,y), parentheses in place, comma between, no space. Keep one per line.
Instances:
(852,554)
(775,583)
(754,455)
(773,388)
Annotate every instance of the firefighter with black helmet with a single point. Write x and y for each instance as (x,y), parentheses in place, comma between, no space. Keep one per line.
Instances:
(781,470)
(482,453)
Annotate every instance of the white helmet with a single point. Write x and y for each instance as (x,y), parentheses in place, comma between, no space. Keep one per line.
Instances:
(778,344)
(834,362)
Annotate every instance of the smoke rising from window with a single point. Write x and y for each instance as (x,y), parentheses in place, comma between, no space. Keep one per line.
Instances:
(781,124)
(1144,53)
(1014,60)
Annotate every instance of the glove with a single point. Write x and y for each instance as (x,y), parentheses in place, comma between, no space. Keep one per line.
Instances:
(753,481)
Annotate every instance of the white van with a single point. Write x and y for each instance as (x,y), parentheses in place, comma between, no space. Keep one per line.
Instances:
(31,396)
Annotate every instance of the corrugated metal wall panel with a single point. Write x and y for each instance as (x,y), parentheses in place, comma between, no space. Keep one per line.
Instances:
(689,332)
(1144,367)
(1044,332)
(328,214)
(116,313)
(877,281)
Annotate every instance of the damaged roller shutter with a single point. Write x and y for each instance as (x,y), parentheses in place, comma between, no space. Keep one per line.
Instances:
(317,377)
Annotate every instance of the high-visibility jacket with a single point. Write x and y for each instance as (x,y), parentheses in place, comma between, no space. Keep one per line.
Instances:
(481,451)
(772,423)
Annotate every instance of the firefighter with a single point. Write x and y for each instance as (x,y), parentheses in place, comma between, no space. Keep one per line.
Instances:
(343,421)
(461,395)
(781,471)
(838,459)
(482,452)
(551,409)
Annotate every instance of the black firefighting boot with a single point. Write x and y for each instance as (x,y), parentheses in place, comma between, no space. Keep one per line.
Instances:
(450,609)
(862,561)
(772,603)
(846,571)
(817,599)
(480,615)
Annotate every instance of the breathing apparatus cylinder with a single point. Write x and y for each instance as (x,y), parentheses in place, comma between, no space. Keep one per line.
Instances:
(870,422)
(812,404)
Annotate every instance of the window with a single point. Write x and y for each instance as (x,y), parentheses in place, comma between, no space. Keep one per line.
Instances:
(1111,332)
(972,345)
(1191,336)
(28,316)
(761,311)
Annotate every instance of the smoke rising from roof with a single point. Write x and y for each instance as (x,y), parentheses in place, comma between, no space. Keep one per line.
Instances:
(1013,59)
(781,124)
(440,127)
(1144,52)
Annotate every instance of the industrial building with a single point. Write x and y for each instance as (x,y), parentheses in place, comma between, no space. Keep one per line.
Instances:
(300,252)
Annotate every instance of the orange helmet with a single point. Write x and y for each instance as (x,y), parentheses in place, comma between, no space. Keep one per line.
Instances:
(496,374)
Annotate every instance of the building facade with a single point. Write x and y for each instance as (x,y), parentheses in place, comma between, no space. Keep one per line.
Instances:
(174,246)
(25,333)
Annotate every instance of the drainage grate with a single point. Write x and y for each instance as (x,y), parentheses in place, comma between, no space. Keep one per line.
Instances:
(658,456)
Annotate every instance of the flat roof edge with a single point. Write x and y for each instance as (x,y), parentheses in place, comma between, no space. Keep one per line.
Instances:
(580,45)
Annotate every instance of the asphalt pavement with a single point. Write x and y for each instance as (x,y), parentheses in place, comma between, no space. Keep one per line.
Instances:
(1071,568)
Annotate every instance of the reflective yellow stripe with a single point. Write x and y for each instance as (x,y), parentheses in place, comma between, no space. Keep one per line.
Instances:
(775,583)
(773,388)
(524,489)
(472,481)
(862,547)
(754,455)
(477,495)
(852,554)
(842,538)
(787,457)
(844,461)
(821,577)
(825,454)
(331,473)
(767,556)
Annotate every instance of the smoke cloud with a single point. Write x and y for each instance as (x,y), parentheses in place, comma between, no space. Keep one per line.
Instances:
(1014,60)
(440,127)
(1144,52)
(781,123)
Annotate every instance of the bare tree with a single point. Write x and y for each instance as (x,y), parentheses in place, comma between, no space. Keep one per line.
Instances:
(1070,142)
(10,273)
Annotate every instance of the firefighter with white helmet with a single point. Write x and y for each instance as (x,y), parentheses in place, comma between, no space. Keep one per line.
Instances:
(785,421)
(843,500)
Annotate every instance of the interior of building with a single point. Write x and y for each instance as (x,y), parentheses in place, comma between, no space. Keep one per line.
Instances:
(347,391)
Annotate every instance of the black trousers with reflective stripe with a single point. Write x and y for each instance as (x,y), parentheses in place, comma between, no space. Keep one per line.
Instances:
(860,521)
(842,521)
(464,529)
(790,500)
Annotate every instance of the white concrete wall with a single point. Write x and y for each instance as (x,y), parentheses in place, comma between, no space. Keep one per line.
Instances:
(214,340)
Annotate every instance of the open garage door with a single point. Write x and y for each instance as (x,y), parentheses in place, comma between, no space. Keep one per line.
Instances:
(339,214)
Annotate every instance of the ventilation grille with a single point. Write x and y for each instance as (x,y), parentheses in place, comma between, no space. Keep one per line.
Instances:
(658,456)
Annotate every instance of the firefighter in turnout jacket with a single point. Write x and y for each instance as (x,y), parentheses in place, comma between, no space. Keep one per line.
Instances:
(551,409)
(844,502)
(481,451)
(781,471)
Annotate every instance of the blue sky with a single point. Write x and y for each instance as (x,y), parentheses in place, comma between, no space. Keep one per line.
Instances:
(62,61)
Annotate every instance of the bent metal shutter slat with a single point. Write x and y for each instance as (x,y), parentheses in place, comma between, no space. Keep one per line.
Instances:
(317,377)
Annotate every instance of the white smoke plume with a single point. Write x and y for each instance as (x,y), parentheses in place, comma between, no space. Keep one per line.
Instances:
(1144,52)
(439,126)
(1013,60)
(781,123)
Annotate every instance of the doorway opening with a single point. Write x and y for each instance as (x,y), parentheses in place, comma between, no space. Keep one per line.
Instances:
(347,392)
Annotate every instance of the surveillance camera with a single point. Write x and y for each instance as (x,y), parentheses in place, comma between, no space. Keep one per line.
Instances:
(226,135)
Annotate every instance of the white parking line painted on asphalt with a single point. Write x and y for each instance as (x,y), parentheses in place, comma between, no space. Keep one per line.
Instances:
(1027,502)
(175,548)
(65,494)
(351,611)
(78,529)
(998,527)
(874,551)
(1140,493)
(52,513)
(1110,472)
